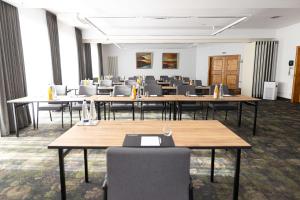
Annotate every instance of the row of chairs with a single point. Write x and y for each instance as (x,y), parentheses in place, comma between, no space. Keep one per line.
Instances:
(151,89)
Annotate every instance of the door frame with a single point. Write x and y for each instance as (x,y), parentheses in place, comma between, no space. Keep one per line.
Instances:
(295,98)
(209,67)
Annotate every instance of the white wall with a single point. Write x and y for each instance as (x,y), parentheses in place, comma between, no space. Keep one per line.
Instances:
(289,38)
(36,48)
(95,60)
(68,54)
(127,59)
(206,50)
(248,69)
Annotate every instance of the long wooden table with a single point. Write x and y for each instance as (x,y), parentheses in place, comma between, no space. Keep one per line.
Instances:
(178,99)
(208,134)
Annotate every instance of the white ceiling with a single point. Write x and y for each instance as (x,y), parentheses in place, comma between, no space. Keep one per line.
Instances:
(182,21)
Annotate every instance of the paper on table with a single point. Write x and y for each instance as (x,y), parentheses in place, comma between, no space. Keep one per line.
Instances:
(227,95)
(150,141)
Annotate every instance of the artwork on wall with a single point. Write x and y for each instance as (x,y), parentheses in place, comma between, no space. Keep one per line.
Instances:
(144,60)
(170,60)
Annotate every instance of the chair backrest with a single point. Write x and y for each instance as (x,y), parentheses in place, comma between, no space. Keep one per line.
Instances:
(153,89)
(212,89)
(198,83)
(88,90)
(182,89)
(150,82)
(60,90)
(177,77)
(115,79)
(148,173)
(175,82)
(164,78)
(95,79)
(130,82)
(106,83)
(132,78)
(186,79)
(122,90)
(149,78)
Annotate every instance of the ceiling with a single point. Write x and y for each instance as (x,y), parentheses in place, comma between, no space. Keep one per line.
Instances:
(171,21)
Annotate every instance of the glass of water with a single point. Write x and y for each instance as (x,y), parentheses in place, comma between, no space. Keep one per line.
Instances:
(167,131)
(187,93)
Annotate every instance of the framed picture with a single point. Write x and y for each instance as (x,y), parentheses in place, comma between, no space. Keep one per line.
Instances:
(144,60)
(170,60)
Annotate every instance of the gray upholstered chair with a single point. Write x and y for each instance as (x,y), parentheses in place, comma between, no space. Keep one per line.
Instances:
(60,90)
(186,79)
(175,82)
(106,83)
(221,106)
(148,174)
(149,78)
(86,90)
(150,82)
(116,79)
(130,82)
(188,106)
(164,78)
(95,80)
(198,83)
(153,89)
(132,78)
(86,82)
(124,90)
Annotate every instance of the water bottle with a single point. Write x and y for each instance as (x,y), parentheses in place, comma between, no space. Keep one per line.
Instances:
(85,112)
(221,91)
(216,92)
(93,113)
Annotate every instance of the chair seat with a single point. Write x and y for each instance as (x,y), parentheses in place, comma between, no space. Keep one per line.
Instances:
(152,106)
(51,106)
(121,106)
(223,106)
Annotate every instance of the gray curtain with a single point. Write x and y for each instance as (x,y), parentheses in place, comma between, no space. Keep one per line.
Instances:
(88,61)
(12,70)
(264,65)
(54,44)
(100,58)
(82,71)
(113,65)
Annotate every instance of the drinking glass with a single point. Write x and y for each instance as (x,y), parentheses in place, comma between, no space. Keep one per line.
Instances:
(167,131)
(187,93)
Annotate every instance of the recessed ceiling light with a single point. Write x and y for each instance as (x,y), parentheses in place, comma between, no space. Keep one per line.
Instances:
(276,17)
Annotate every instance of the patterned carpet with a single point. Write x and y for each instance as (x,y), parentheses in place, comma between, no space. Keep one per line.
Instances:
(270,170)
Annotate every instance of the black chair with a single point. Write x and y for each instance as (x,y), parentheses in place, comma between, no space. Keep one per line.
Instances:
(153,89)
(198,83)
(175,82)
(86,90)
(221,106)
(121,90)
(148,174)
(164,78)
(188,106)
(60,90)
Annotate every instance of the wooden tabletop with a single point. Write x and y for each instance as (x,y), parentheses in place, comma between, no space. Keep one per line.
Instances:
(30,99)
(193,134)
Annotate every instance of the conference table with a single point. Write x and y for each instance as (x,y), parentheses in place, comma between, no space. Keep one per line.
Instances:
(178,99)
(208,134)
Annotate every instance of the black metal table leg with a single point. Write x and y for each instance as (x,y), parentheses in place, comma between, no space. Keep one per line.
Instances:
(62,115)
(133,114)
(240,114)
(98,111)
(104,107)
(15,119)
(237,175)
(62,174)
(71,114)
(33,114)
(174,110)
(86,171)
(212,170)
(255,117)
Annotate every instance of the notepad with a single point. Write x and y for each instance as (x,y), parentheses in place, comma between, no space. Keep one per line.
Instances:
(153,95)
(193,95)
(227,95)
(150,141)
(120,95)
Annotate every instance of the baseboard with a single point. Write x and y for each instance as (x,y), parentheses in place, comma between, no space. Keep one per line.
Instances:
(283,99)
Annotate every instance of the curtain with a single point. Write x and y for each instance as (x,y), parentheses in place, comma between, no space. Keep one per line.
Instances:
(100,58)
(88,61)
(12,70)
(113,65)
(82,71)
(54,45)
(264,65)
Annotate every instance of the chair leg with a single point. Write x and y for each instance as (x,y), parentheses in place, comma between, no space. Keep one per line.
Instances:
(114,115)
(226,115)
(194,115)
(37,118)
(50,115)
(206,112)
(141,113)
(213,113)
(79,115)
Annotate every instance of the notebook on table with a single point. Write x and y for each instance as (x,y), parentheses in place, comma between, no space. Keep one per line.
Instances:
(148,140)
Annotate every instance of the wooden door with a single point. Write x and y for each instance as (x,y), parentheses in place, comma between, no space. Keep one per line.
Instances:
(224,69)
(296,83)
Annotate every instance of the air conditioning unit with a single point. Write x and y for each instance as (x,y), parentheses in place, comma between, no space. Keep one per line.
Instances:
(270,90)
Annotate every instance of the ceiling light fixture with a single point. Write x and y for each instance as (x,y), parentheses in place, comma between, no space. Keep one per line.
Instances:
(229,26)
(276,17)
